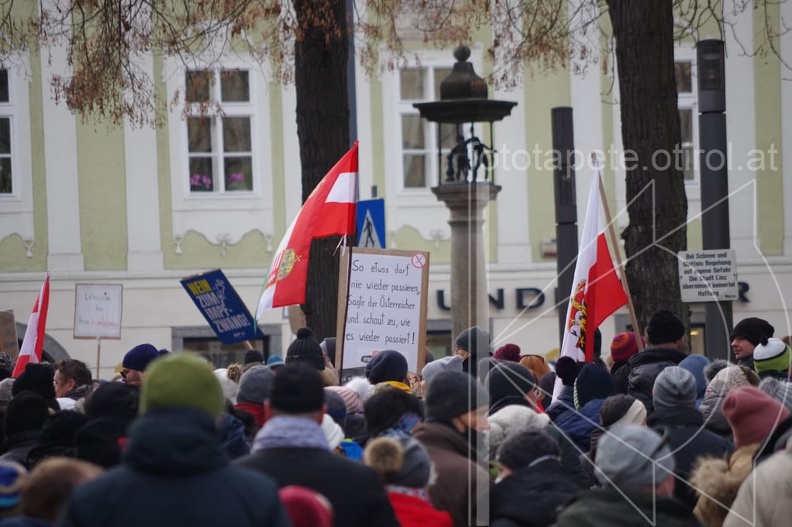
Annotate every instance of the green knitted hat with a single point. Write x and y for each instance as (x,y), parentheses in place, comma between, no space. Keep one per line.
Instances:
(771,355)
(181,381)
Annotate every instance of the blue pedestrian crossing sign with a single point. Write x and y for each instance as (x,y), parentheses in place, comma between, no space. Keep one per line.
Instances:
(371,223)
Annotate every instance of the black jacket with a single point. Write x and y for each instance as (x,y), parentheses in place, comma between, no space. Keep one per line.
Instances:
(607,507)
(689,441)
(175,473)
(17,447)
(644,367)
(545,486)
(354,490)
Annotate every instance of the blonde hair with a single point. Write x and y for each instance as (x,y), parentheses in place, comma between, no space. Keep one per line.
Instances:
(535,363)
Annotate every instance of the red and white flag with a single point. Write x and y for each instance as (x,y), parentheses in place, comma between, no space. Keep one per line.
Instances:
(33,343)
(596,289)
(328,211)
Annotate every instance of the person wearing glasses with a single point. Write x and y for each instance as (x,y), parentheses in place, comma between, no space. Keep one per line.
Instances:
(135,363)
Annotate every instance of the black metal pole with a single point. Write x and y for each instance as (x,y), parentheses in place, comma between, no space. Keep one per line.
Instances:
(565,208)
(714,176)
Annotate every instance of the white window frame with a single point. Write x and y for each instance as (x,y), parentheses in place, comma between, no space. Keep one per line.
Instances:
(16,208)
(689,101)
(225,216)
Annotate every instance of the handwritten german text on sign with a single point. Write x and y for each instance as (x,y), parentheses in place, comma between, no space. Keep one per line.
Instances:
(97,311)
(221,306)
(385,306)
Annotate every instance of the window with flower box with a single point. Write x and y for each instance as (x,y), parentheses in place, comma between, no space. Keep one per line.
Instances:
(219,131)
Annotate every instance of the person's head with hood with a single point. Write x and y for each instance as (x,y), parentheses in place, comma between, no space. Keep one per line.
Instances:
(696,364)
(592,383)
(457,400)
(473,344)
(634,458)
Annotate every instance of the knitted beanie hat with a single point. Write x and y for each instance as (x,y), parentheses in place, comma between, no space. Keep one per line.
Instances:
(297,389)
(696,364)
(305,348)
(139,357)
(453,393)
(752,415)
(512,419)
(452,363)
(475,341)
(255,385)
(399,461)
(631,456)
(507,379)
(13,478)
(781,391)
(352,399)
(674,387)
(593,382)
(254,356)
(388,365)
(36,378)
(621,408)
(664,327)
(623,346)
(336,407)
(115,401)
(567,370)
(181,380)
(509,352)
(753,330)
(772,355)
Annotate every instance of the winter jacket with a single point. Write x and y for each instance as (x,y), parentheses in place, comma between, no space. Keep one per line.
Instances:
(354,490)
(607,507)
(777,441)
(545,486)
(644,369)
(579,425)
(412,511)
(18,446)
(620,374)
(24,521)
(564,402)
(717,482)
(232,434)
(770,484)
(174,472)
(459,478)
(688,441)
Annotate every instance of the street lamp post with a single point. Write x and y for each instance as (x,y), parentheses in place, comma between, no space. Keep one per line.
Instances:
(463,103)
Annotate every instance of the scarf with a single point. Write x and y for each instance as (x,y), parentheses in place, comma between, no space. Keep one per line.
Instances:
(290,432)
(408,491)
(255,410)
(400,386)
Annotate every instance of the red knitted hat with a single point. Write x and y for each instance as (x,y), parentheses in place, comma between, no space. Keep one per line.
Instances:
(510,352)
(305,507)
(752,415)
(624,346)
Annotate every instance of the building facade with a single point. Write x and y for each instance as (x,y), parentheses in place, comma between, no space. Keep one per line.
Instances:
(145,207)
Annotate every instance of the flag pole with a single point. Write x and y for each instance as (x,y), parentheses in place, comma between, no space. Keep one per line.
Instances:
(619,264)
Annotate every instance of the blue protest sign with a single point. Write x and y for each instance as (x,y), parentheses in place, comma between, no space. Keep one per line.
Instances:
(371,223)
(221,306)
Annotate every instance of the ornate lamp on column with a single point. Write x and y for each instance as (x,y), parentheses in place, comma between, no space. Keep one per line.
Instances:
(467,183)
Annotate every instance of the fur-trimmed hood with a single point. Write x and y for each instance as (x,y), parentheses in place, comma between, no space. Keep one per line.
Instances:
(717,482)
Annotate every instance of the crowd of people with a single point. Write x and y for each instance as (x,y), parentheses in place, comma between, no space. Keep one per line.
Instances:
(646,433)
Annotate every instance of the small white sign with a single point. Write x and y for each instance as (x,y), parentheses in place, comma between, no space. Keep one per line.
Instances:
(97,311)
(708,276)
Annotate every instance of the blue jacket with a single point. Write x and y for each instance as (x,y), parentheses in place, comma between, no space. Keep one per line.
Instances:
(175,473)
(564,402)
(580,424)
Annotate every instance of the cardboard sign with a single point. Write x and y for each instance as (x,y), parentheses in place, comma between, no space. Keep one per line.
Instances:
(381,306)
(97,311)
(219,303)
(9,342)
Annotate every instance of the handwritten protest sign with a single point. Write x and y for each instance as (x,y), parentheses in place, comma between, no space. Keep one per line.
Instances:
(382,306)
(97,311)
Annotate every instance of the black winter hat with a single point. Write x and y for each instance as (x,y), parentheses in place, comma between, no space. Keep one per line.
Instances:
(97,442)
(297,389)
(664,327)
(37,378)
(115,401)
(593,382)
(452,394)
(567,370)
(508,379)
(254,356)
(26,411)
(388,365)
(305,349)
(473,340)
(753,330)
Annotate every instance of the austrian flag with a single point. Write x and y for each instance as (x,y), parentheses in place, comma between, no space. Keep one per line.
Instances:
(596,289)
(328,211)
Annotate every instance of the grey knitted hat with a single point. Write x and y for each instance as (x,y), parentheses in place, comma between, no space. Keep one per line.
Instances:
(633,457)
(255,385)
(674,387)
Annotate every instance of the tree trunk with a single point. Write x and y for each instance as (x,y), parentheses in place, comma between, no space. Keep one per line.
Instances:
(323,130)
(643,30)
